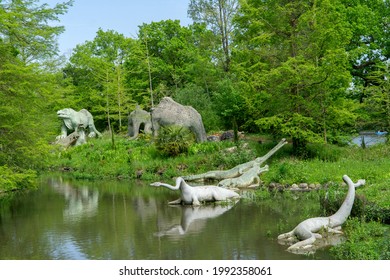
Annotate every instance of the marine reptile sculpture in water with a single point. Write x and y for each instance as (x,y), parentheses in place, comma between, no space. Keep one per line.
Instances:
(197,194)
(307,230)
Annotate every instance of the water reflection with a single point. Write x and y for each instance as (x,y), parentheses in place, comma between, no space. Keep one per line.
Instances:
(70,219)
(193,219)
(80,202)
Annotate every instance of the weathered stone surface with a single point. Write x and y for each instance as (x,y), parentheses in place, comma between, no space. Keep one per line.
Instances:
(169,112)
(137,118)
(77,122)
(248,179)
(237,170)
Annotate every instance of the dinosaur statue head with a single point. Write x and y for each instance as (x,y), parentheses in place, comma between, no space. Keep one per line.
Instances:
(66,115)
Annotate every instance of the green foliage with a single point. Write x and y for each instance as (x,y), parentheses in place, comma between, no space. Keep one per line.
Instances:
(173,140)
(309,77)
(365,241)
(27,42)
(11,180)
(98,78)
(229,102)
(193,95)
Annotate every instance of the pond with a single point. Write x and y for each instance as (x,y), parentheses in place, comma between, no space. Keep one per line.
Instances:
(116,220)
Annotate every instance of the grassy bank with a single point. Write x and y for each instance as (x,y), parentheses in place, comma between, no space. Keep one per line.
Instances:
(140,159)
(324,164)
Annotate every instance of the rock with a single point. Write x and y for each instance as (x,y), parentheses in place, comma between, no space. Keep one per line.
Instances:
(303,186)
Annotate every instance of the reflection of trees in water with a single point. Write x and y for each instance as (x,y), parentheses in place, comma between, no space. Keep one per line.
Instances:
(81,201)
(129,215)
(193,219)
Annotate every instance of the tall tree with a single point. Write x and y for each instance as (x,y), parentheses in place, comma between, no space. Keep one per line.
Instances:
(369,47)
(218,16)
(297,49)
(24,24)
(26,38)
(96,68)
(172,55)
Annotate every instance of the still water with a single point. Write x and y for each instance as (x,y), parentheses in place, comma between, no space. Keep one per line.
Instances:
(69,219)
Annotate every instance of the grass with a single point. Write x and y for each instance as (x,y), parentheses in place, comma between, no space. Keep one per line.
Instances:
(323,164)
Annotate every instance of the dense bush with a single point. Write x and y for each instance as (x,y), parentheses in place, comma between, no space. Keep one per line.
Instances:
(173,140)
(365,241)
(11,179)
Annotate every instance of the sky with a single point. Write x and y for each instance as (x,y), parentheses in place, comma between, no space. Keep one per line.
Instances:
(85,17)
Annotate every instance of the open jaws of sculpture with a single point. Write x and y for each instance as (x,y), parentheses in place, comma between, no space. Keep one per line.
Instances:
(249,179)
(244,175)
(307,230)
(195,195)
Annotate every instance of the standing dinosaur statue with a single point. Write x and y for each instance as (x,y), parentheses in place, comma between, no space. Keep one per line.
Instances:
(196,195)
(307,231)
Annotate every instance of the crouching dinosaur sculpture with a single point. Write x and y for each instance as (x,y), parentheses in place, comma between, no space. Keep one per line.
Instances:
(307,231)
(196,195)
(237,170)
(249,179)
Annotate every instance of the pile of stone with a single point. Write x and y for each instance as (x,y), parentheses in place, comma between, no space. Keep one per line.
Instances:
(302,187)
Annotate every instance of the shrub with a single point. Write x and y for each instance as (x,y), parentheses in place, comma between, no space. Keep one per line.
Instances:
(365,241)
(174,140)
(11,179)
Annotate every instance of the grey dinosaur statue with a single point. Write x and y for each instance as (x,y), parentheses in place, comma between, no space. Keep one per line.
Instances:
(168,112)
(137,118)
(198,194)
(307,231)
(249,179)
(237,170)
(77,122)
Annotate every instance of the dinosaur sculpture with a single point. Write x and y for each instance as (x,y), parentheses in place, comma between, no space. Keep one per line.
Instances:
(248,179)
(307,231)
(77,122)
(168,112)
(136,119)
(237,170)
(196,195)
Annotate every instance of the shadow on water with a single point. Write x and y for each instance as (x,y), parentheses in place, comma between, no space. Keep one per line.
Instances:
(68,219)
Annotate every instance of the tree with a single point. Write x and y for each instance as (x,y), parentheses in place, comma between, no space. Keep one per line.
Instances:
(97,70)
(218,16)
(296,50)
(172,55)
(369,47)
(26,89)
(25,26)
(377,99)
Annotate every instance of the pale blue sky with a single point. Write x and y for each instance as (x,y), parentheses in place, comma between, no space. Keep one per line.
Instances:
(85,17)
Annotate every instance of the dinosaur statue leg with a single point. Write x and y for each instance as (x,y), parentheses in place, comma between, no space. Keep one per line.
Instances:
(336,230)
(177,201)
(195,201)
(286,235)
(307,243)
